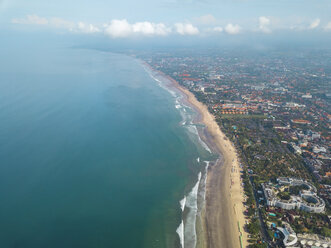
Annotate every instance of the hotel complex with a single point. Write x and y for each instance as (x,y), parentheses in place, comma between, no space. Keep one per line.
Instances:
(307,200)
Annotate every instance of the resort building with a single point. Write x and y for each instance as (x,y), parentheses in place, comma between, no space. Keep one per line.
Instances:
(306,240)
(307,200)
(290,237)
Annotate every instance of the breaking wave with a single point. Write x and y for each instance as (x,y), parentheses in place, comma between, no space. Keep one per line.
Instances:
(180,232)
(183,203)
(190,223)
(190,203)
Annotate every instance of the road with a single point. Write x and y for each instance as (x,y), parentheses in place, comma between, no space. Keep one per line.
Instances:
(264,228)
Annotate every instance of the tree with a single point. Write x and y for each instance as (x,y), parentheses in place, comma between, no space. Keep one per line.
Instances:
(253,227)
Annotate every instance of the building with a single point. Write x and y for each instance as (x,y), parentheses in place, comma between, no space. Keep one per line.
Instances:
(290,237)
(319,149)
(296,148)
(302,122)
(307,200)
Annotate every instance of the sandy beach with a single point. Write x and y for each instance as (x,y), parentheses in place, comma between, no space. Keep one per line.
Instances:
(223,219)
(222,222)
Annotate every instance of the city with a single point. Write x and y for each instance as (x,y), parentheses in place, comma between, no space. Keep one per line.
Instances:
(275,108)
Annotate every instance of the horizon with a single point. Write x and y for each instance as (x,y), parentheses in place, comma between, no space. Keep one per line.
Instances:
(172,23)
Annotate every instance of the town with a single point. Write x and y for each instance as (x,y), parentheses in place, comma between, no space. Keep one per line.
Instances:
(275,107)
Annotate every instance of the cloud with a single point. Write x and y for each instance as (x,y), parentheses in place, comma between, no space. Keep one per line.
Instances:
(61,23)
(115,29)
(314,24)
(148,28)
(56,23)
(87,28)
(186,29)
(30,19)
(207,25)
(264,23)
(218,29)
(206,19)
(328,26)
(232,29)
(118,28)
(122,28)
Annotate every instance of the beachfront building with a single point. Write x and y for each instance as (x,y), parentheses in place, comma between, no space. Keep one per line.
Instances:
(290,237)
(307,200)
(303,240)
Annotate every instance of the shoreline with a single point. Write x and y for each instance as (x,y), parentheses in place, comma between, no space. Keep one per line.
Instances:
(222,217)
(224,194)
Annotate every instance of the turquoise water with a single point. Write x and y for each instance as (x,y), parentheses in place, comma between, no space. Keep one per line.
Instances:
(91,152)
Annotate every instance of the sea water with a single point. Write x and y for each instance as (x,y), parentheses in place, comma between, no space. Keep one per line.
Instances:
(93,153)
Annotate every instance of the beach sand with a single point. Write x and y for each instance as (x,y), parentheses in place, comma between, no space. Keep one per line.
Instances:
(222,220)
(224,208)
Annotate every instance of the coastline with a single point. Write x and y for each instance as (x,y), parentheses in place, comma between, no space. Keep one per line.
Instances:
(224,194)
(221,223)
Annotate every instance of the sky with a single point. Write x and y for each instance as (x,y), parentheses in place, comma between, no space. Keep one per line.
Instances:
(127,19)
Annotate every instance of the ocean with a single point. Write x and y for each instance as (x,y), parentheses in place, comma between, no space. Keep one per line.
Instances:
(95,151)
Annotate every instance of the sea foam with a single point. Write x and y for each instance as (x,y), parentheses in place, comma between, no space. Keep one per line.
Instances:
(190,223)
(183,203)
(187,227)
(193,129)
(180,232)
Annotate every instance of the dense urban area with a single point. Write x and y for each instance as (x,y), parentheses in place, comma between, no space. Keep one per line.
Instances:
(275,106)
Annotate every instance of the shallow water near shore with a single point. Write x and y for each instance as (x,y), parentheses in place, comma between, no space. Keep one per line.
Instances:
(192,204)
(93,152)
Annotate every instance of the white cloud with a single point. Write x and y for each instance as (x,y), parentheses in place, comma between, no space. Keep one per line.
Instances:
(87,28)
(218,29)
(314,24)
(162,29)
(232,29)
(30,19)
(122,28)
(206,19)
(148,28)
(328,26)
(264,23)
(186,29)
(57,23)
(115,29)
(118,28)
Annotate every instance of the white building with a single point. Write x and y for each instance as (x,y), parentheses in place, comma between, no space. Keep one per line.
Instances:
(290,237)
(318,149)
(308,200)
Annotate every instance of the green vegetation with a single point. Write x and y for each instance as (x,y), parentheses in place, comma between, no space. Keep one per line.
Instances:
(259,245)
(295,190)
(284,196)
(249,194)
(254,227)
(260,148)
(312,223)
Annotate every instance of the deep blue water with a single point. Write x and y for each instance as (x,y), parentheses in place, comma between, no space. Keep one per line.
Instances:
(91,152)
